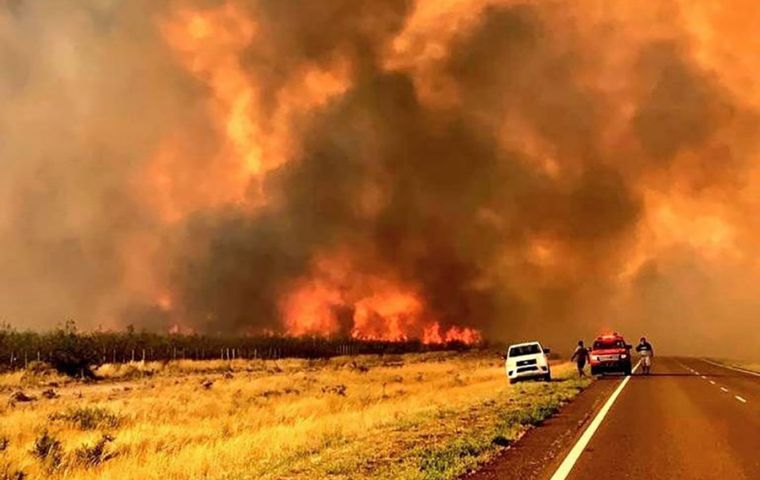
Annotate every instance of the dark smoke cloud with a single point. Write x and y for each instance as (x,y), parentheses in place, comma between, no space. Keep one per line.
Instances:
(684,106)
(439,194)
(438,171)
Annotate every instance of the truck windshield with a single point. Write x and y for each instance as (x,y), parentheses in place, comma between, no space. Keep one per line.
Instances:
(524,350)
(608,344)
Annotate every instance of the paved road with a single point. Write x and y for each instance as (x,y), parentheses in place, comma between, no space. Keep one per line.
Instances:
(688,420)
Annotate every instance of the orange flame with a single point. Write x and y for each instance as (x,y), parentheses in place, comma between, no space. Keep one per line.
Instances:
(336,300)
(433,334)
(309,310)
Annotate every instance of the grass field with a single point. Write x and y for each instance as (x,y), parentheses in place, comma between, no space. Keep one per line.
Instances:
(416,416)
(744,364)
(753,366)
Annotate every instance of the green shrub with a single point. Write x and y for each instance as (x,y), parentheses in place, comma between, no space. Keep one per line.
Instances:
(92,455)
(73,354)
(48,450)
(88,418)
(8,472)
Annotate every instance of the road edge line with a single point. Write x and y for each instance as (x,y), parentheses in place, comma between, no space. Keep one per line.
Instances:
(572,457)
(736,369)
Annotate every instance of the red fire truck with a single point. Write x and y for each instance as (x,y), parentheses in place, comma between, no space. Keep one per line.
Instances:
(610,353)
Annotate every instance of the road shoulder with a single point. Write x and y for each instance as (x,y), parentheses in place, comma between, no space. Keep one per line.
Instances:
(541,450)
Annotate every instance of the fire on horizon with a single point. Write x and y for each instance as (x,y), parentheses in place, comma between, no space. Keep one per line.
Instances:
(442,170)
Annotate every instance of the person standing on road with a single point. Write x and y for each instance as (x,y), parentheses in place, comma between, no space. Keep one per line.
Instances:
(647,354)
(580,355)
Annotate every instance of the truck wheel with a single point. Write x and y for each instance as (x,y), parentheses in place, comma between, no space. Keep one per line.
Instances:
(512,381)
(594,371)
(548,377)
(627,371)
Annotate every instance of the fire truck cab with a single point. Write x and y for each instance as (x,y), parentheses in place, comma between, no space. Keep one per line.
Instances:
(610,353)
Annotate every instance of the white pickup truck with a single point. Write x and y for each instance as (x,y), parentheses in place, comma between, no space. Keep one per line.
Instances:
(527,360)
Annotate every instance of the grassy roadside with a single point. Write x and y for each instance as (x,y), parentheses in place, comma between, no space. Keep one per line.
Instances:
(755,367)
(752,366)
(416,416)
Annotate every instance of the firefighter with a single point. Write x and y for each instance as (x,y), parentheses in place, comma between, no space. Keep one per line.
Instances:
(647,354)
(580,355)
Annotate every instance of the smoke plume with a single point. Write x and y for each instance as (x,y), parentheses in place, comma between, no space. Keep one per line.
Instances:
(437,170)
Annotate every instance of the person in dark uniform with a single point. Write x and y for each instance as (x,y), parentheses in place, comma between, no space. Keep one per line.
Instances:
(647,354)
(580,355)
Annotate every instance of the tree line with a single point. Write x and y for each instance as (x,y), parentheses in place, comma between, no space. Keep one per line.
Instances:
(77,353)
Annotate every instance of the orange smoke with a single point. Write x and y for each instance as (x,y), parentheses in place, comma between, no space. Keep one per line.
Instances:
(249,126)
(211,44)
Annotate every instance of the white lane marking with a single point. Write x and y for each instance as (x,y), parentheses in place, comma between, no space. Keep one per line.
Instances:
(703,377)
(569,462)
(686,367)
(737,369)
(695,372)
(724,389)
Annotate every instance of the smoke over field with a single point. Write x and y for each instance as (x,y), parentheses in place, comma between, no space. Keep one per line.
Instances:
(442,170)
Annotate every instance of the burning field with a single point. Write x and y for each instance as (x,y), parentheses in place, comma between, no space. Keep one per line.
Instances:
(437,170)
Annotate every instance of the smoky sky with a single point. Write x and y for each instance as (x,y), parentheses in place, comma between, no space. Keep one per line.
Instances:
(455,198)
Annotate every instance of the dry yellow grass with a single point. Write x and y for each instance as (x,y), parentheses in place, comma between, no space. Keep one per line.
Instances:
(412,416)
(745,364)
(753,366)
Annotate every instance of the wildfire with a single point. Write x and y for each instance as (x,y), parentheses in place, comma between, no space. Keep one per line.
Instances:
(226,49)
(434,334)
(310,310)
(338,301)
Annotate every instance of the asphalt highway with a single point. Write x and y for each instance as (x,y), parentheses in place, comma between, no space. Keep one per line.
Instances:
(688,420)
